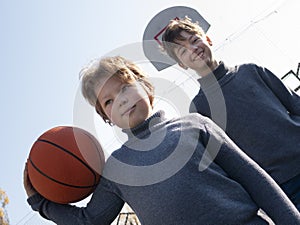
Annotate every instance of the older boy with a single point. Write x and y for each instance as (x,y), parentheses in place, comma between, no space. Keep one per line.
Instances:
(261,115)
(156,170)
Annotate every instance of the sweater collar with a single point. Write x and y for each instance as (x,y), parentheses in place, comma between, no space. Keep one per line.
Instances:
(214,76)
(145,128)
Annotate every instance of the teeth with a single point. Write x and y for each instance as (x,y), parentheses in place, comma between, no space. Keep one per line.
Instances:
(200,54)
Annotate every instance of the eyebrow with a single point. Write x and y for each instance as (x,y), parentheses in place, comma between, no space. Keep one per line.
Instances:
(190,37)
(102,98)
(108,95)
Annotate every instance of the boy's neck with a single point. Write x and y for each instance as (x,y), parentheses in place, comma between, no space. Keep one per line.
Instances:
(208,69)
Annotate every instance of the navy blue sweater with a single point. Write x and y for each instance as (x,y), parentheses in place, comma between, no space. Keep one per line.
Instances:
(257,112)
(157,173)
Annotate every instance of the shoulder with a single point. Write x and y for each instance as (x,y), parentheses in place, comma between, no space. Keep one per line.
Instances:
(247,67)
(250,71)
(252,67)
(191,118)
(193,122)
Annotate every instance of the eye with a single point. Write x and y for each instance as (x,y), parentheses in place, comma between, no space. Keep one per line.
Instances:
(125,87)
(195,39)
(108,102)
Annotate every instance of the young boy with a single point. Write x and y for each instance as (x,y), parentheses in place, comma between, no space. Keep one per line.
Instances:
(156,170)
(249,102)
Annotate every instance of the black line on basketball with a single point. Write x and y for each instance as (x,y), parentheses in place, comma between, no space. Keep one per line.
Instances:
(56,181)
(75,156)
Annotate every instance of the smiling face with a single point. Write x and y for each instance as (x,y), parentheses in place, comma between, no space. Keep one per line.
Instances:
(125,104)
(193,51)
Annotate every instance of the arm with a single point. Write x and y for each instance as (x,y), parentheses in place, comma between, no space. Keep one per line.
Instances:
(260,186)
(103,207)
(287,97)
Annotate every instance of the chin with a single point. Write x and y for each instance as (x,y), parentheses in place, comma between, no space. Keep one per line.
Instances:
(137,120)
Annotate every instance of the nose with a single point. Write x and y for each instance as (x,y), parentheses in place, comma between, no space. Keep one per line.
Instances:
(193,47)
(123,100)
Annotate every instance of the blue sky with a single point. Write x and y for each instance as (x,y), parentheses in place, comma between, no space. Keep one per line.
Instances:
(44,45)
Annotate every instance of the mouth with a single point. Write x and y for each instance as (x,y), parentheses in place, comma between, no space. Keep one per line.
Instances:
(199,54)
(128,111)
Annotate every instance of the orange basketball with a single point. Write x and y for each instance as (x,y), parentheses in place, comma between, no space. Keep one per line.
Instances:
(65,164)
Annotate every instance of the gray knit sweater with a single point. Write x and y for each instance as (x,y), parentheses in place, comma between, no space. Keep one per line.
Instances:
(257,112)
(166,174)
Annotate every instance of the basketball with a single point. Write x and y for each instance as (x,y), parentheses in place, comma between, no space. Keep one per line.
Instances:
(65,164)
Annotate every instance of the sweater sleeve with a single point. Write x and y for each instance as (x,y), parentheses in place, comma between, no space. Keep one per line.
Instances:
(260,186)
(286,96)
(103,208)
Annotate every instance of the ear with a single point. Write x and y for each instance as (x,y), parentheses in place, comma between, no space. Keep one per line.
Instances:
(183,66)
(209,41)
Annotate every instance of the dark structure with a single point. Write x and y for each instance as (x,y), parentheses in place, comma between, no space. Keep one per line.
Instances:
(296,75)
